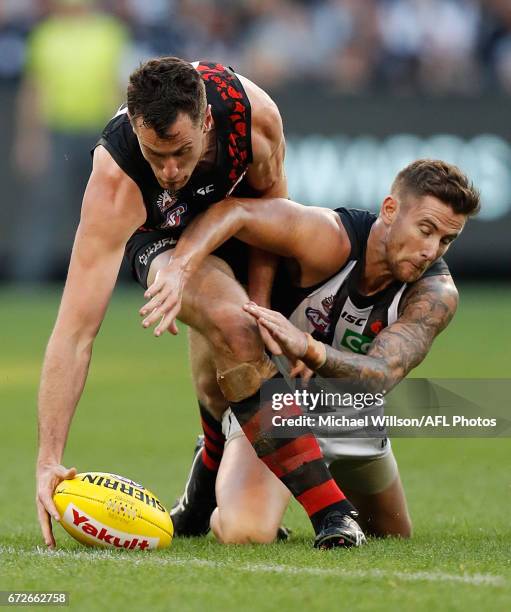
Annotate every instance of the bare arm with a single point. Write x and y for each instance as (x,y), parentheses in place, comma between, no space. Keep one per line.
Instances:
(428,308)
(315,237)
(112,210)
(266,175)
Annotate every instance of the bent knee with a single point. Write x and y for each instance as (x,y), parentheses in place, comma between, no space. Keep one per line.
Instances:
(406,530)
(231,328)
(397,528)
(243,531)
(254,535)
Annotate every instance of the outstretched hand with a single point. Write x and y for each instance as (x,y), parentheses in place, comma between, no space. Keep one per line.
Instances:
(165,296)
(287,339)
(48,476)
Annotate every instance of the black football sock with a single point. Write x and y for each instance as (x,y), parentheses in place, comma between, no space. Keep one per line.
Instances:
(214,440)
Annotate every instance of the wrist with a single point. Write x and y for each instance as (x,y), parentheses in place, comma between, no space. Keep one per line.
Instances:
(45,462)
(183,264)
(315,353)
(45,458)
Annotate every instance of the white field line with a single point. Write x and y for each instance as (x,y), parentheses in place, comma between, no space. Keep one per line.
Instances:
(340,573)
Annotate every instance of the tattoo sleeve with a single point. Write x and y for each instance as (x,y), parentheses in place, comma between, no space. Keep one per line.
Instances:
(427,309)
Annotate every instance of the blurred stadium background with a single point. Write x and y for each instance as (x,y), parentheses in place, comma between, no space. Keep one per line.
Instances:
(364,87)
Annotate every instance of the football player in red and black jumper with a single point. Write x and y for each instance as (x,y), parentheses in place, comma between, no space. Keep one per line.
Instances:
(189,135)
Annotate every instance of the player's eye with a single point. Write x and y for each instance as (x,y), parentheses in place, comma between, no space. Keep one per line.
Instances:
(424,231)
(154,155)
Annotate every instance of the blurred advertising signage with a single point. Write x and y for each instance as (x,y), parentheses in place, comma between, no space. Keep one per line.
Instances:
(358,171)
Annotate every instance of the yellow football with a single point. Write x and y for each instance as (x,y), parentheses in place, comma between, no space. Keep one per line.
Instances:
(101,509)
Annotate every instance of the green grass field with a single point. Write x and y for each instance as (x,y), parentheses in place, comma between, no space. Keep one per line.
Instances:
(138,418)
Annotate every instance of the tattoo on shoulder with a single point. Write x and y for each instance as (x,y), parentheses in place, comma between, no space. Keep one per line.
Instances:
(427,309)
(432,300)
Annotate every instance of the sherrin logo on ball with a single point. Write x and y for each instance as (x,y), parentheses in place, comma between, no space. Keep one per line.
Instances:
(107,510)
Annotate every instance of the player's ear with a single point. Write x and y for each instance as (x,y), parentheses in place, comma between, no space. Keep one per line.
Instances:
(389,210)
(208,119)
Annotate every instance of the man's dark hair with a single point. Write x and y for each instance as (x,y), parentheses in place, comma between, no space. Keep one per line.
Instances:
(444,181)
(161,88)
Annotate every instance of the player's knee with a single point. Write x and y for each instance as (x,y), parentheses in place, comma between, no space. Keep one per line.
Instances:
(395,527)
(406,529)
(402,530)
(233,330)
(243,380)
(402,526)
(242,530)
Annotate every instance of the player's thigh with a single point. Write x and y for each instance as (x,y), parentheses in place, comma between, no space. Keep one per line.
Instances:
(251,499)
(211,292)
(374,487)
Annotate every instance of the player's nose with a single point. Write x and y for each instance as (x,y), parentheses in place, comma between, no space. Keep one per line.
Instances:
(170,170)
(430,250)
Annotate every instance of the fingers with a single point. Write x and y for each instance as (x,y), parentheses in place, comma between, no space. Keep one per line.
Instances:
(297,369)
(269,342)
(45,523)
(306,375)
(154,303)
(273,328)
(168,310)
(152,294)
(153,289)
(168,321)
(260,312)
(65,473)
(48,477)
(156,308)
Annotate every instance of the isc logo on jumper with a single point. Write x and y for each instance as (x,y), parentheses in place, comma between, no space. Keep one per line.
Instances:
(358,343)
(103,534)
(351,318)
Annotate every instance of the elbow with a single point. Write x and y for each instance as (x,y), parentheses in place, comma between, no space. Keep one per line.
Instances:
(72,341)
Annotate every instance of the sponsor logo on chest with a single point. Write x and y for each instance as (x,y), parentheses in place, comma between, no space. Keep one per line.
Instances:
(171,211)
(165,201)
(348,331)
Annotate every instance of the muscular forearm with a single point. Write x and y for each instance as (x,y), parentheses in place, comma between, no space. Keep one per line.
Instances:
(206,233)
(261,274)
(62,381)
(367,372)
(370,373)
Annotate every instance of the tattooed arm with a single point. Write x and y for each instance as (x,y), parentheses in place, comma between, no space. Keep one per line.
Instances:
(427,310)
